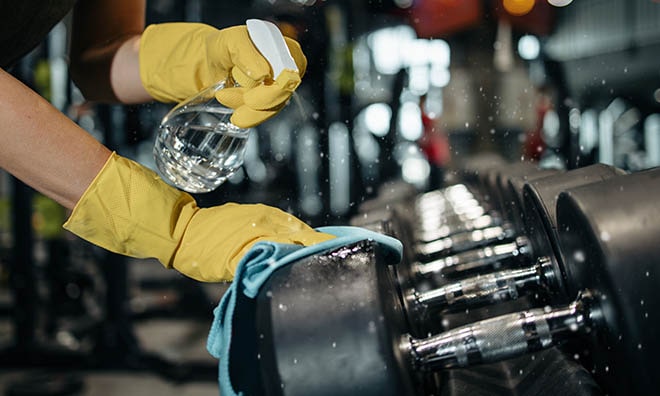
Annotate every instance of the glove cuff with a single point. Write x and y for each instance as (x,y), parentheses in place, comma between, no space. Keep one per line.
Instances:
(128,209)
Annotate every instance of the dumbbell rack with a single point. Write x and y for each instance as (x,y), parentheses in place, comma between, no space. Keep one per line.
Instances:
(546,372)
(572,315)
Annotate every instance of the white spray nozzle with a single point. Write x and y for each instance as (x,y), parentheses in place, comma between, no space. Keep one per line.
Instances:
(269,41)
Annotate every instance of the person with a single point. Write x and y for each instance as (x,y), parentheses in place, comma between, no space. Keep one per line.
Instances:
(117,203)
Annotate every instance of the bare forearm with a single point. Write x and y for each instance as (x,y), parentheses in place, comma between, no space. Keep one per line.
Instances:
(44,148)
(125,73)
(104,54)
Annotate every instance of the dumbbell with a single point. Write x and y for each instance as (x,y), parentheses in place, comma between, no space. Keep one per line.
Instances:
(600,243)
(509,233)
(610,233)
(548,183)
(358,344)
(333,325)
(392,217)
(452,220)
(421,302)
(539,270)
(447,218)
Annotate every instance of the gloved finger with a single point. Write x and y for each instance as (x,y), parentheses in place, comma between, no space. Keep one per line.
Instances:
(268,96)
(246,117)
(247,81)
(231,97)
(297,55)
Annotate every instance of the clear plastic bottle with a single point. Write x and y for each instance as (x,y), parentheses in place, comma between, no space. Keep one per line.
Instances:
(197,147)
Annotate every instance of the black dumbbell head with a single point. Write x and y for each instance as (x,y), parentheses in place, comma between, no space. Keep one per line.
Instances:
(539,205)
(331,324)
(610,235)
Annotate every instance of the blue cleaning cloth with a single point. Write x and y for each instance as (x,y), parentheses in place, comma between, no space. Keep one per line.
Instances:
(252,272)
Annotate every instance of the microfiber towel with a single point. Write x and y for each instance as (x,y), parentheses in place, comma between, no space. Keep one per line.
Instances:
(252,272)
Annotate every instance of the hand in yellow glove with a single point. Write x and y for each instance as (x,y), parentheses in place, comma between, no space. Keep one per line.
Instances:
(177,60)
(129,210)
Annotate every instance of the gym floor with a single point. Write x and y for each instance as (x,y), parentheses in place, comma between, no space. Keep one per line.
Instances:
(177,339)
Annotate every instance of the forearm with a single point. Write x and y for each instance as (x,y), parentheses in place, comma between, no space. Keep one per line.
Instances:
(105,48)
(125,73)
(44,148)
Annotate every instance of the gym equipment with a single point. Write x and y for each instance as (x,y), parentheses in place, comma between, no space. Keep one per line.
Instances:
(422,298)
(503,337)
(359,342)
(313,338)
(538,268)
(443,231)
(609,234)
(348,336)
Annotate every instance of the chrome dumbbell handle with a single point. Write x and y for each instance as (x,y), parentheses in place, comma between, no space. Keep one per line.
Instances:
(502,337)
(473,259)
(450,196)
(430,220)
(483,289)
(466,240)
(445,230)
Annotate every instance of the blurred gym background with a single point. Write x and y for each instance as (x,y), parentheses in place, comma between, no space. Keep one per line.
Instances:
(395,91)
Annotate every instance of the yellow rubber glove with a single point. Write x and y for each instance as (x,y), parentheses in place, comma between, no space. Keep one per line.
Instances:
(177,60)
(129,210)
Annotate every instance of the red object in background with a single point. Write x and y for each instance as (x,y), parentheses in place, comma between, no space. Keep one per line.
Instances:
(539,21)
(437,18)
(534,146)
(434,144)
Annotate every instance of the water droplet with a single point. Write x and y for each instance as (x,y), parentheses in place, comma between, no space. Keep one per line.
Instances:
(576,356)
(578,256)
(283,307)
(334,345)
(295,361)
(641,302)
(639,346)
(607,369)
